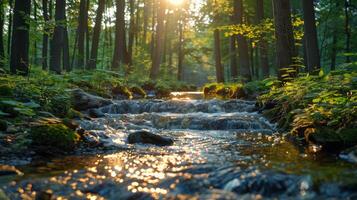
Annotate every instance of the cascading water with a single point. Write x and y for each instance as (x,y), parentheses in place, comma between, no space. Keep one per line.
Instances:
(222,150)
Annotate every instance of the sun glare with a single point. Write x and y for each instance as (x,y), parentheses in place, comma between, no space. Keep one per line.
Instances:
(176,2)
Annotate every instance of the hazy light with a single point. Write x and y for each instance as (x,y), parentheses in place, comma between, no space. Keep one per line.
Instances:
(176,2)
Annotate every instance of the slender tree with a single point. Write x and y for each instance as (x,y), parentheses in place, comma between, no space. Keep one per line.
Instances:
(233,52)
(242,43)
(19,61)
(45,35)
(132,30)
(181,54)
(120,49)
(263,45)
(81,33)
(92,64)
(9,33)
(285,43)
(347,30)
(2,50)
(311,42)
(58,38)
(159,41)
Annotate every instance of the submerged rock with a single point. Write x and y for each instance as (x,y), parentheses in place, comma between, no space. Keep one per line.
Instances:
(350,155)
(84,101)
(6,170)
(146,137)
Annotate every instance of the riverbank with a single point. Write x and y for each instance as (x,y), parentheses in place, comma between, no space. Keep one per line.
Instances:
(318,111)
(39,113)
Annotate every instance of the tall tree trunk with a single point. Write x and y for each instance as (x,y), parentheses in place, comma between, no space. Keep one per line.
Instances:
(19,62)
(311,42)
(285,44)
(159,47)
(120,49)
(347,31)
(81,33)
(334,50)
(66,58)
(92,64)
(233,57)
(218,57)
(132,30)
(87,32)
(34,56)
(2,50)
(242,44)
(45,35)
(181,54)
(9,33)
(146,21)
(263,45)
(57,41)
(153,23)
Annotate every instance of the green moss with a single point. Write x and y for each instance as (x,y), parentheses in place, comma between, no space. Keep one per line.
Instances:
(138,91)
(56,136)
(6,89)
(122,90)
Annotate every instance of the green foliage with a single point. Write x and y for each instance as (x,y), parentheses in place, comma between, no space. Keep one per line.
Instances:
(323,100)
(56,136)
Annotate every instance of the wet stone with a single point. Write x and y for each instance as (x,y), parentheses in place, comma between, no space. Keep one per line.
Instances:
(146,137)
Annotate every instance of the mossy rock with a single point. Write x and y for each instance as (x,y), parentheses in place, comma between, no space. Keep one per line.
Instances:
(149,86)
(162,92)
(54,136)
(73,114)
(239,93)
(210,90)
(224,92)
(121,91)
(138,92)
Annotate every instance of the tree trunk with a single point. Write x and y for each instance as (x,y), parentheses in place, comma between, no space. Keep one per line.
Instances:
(132,30)
(146,21)
(81,33)
(92,64)
(2,50)
(34,56)
(159,47)
(87,32)
(218,57)
(45,35)
(19,62)
(334,50)
(120,41)
(285,44)
(180,51)
(347,31)
(233,57)
(242,44)
(9,33)
(311,42)
(66,61)
(263,45)
(57,42)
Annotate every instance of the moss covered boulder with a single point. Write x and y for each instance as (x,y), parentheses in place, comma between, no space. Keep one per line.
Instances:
(56,137)
(121,92)
(138,92)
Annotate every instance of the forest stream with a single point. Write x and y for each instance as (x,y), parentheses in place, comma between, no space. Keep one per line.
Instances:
(223,149)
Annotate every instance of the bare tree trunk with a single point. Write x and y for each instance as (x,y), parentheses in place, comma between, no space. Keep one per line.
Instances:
(65,59)
(34,56)
(132,30)
(45,35)
(242,44)
(19,61)
(312,49)
(159,47)
(120,50)
(87,33)
(146,21)
(9,33)
(285,43)
(81,33)
(347,31)
(2,50)
(57,42)
(334,51)
(263,45)
(96,35)
(218,57)
(181,54)
(233,57)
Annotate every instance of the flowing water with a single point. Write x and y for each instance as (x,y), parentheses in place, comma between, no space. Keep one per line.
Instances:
(222,150)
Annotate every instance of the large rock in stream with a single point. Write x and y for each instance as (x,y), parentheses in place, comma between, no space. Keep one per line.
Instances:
(83,101)
(146,137)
